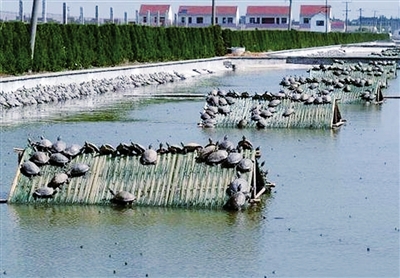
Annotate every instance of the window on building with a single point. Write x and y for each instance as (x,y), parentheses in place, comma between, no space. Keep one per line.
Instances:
(144,19)
(283,20)
(277,20)
(306,20)
(155,19)
(183,19)
(199,20)
(216,20)
(230,20)
(190,20)
(252,20)
(320,23)
(267,20)
(224,20)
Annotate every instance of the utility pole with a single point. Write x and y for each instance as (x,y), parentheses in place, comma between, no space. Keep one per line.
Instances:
(326,16)
(35,9)
(347,16)
(361,10)
(213,12)
(290,16)
(375,21)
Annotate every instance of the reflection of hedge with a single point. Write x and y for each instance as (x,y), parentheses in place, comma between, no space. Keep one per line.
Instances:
(60,47)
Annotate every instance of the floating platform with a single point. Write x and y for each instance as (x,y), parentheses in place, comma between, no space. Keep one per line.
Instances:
(176,180)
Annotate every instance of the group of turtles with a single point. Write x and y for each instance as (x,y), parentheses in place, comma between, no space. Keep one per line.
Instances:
(57,154)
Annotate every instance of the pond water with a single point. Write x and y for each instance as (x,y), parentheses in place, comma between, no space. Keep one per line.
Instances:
(333,213)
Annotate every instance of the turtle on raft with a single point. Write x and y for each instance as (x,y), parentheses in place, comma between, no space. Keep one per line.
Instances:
(44,192)
(122,197)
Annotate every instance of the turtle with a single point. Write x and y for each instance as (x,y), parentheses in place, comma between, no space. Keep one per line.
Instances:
(90,148)
(58,146)
(245,165)
(138,148)
(216,157)
(261,123)
(42,145)
(233,159)
(149,156)
(206,151)
(274,103)
(107,149)
(288,111)
(191,147)
(58,180)
(245,144)
(226,144)
(124,149)
(236,202)
(161,149)
(174,148)
(72,151)
(30,169)
(44,192)
(58,159)
(78,169)
(238,184)
(40,158)
(242,123)
(122,197)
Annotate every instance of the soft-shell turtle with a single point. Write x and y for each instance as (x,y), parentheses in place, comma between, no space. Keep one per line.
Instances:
(30,169)
(122,197)
(40,158)
(78,169)
(44,192)
(58,180)
(149,156)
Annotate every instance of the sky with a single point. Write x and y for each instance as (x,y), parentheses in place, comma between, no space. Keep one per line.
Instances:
(369,8)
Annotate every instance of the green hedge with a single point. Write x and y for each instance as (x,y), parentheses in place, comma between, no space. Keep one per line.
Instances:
(69,47)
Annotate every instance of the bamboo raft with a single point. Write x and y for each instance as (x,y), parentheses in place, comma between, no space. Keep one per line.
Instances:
(176,180)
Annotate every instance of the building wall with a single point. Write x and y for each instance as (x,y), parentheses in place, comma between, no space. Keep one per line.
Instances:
(318,23)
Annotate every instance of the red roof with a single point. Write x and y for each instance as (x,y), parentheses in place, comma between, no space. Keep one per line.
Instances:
(267,10)
(310,10)
(207,10)
(144,9)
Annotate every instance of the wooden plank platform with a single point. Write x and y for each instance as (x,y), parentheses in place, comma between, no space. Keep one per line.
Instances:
(176,180)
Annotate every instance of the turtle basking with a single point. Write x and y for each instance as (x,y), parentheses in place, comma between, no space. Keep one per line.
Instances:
(78,169)
(58,180)
(44,192)
(30,169)
(42,145)
(236,202)
(122,197)
(40,158)
(149,156)
(58,146)
(58,159)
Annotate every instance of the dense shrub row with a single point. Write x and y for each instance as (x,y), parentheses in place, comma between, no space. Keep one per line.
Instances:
(60,47)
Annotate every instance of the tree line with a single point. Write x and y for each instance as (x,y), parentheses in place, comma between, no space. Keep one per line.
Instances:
(74,46)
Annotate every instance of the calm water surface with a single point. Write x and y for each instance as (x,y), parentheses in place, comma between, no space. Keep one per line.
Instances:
(336,195)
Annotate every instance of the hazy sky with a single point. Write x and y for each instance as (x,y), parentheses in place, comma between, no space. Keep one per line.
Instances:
(369,8)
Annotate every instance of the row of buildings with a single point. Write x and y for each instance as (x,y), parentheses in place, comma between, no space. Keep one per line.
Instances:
(315,18)
(312,17)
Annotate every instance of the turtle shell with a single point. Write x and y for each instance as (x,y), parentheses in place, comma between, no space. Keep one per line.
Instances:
(58,180)
(245,165)
(73,150)
(78,169)
(30,169)
(40,158)
(236,202)
(58,159)
(238,184)
(58,146)
(149,157)
(233,159)
(44,192)
(217,157)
